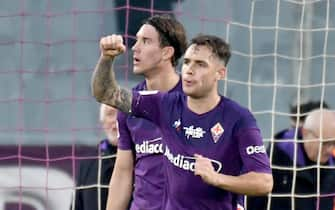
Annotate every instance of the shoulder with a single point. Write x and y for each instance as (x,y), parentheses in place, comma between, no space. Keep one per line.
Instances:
(332,161)
(106,148)
(178,87)
(284,148)
(233,108)
(281,134)
(121,116)
(287,145)
(174,97)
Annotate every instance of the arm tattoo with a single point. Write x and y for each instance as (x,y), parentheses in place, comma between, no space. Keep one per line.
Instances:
(106,89)
(123,100)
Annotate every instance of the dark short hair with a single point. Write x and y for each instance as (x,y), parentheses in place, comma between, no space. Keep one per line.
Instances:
(171,33)
(305,108)
(219,47)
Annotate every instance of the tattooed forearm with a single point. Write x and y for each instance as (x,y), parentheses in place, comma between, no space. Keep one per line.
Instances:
(106,89)
(123,100)
(102,78)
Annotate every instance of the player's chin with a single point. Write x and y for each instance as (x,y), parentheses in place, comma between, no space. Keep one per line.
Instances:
(190,92)
(137,70)
(186,90)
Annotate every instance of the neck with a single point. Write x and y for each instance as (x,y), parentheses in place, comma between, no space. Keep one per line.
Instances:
(203,104)
(162,80)
(113,141)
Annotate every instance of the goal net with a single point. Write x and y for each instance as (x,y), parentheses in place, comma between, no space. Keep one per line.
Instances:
(283,55)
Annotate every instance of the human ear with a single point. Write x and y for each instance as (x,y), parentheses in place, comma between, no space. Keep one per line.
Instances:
(168,52)
(221,73)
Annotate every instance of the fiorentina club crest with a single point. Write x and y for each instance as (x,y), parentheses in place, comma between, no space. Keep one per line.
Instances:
(217,131)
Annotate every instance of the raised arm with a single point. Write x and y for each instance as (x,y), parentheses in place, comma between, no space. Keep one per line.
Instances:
(104,85)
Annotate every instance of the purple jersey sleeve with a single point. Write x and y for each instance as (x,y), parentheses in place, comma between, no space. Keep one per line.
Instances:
(251,147)
(125,142)
(148,105)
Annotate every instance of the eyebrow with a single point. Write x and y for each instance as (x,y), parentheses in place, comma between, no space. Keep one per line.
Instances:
(201,61)
(143,37)
(196,61)
(315,133)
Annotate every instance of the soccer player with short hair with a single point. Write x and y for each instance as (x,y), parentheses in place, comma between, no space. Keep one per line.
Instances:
(161,41)
(212,146)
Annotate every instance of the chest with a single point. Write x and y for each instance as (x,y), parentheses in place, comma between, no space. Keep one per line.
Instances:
(211,135)
(142,130)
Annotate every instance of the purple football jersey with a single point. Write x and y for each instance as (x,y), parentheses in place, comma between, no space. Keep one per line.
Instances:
(144,137)
(228,135)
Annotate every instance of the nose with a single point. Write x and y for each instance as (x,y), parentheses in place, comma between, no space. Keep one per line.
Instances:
(135,46)
(110,121)
(188,69)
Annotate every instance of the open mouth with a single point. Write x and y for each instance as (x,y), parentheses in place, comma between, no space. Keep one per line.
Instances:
(187,82)
(136,60)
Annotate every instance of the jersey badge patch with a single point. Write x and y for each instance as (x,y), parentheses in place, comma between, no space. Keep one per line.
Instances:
(217,131)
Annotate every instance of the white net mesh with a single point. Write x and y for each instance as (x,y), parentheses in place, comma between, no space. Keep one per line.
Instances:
(283,54)
(290,61)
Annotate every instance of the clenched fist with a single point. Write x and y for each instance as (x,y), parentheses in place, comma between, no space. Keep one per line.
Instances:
(111,46)
(205,169)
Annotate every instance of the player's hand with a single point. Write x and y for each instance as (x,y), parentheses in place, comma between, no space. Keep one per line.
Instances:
(111,46)
(203,167)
